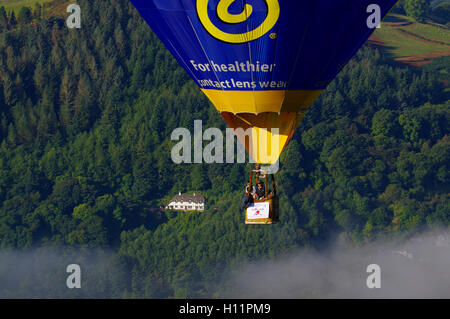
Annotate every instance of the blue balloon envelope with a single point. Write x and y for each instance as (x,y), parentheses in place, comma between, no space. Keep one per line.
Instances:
(262,63)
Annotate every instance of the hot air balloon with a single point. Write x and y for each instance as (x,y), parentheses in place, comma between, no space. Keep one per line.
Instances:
(262,63)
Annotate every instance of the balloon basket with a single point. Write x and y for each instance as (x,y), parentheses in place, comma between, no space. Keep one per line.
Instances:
(263,212)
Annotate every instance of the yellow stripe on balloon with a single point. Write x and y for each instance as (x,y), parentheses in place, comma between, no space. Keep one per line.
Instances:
(262,101)
(264,135)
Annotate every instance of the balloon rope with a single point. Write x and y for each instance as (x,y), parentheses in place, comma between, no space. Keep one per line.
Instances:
(243,120)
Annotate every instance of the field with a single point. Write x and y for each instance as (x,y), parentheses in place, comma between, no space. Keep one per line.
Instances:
(17,4)
(408,41)
(50,7)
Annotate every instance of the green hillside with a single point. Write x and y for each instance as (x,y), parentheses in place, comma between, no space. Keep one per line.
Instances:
(15,5)
(412,42)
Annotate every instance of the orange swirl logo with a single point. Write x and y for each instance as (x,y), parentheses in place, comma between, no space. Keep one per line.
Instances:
(273,14)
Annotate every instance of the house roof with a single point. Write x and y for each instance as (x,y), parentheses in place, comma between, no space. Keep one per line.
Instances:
(198,199)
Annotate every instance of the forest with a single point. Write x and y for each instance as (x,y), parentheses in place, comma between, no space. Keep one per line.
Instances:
(85,122)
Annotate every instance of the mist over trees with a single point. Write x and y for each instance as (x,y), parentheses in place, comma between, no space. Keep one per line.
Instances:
(85,122)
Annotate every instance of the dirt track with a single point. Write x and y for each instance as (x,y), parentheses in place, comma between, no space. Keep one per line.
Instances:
(414,60)
(422,59)
(412,36)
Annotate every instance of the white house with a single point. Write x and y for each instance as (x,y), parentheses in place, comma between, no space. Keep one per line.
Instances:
(187,202)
